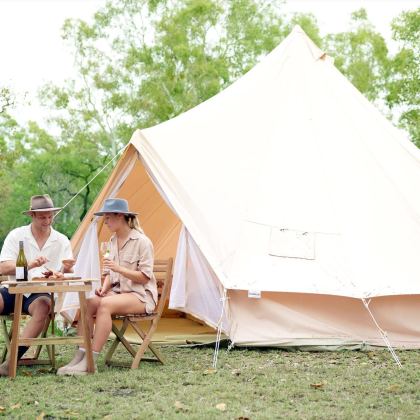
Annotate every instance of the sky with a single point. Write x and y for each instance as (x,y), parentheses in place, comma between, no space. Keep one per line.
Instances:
(33,53)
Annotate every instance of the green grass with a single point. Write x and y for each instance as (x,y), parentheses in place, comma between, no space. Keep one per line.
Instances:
(255,384)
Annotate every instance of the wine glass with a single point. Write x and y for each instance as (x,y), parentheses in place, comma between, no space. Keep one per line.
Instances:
(105,249)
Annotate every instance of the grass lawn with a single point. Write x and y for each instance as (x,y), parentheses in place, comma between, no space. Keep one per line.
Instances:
(249,383)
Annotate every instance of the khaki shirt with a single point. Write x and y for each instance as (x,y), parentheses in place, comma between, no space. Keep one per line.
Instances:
(136,254)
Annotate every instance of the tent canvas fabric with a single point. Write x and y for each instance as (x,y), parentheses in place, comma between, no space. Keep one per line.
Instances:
(288,185)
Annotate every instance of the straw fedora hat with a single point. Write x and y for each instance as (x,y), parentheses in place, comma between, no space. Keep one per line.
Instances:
(39,203)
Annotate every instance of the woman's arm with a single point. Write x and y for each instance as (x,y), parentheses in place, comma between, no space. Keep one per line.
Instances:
(133,275)
(106,287)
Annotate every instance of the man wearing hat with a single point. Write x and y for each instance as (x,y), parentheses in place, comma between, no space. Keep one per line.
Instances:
(45,249)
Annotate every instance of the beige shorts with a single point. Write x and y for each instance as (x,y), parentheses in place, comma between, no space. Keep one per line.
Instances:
(150,304)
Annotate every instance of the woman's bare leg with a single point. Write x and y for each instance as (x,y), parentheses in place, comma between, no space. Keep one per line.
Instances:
(92,307)
(124,303)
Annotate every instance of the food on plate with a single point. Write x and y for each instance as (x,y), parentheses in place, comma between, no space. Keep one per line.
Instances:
(49,274)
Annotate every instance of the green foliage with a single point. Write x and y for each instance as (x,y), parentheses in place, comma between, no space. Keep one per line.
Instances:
(145,62)
(59,170)
(362,55)
(141,62)
(404,80)
(308,23)
(34,162)
(11,148)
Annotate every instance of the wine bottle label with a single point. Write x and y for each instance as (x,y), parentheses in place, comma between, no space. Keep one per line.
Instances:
(20,273)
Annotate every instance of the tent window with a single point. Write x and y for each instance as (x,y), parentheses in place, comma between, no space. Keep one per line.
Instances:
(289,243)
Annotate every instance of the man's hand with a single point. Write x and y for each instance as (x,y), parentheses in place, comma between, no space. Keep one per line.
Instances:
(37,262)
(68,265)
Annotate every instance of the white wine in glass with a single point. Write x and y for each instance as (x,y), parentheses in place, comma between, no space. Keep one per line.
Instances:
(105,251)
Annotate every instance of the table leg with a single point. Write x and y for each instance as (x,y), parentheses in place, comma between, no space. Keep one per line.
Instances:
(86,333)
(15,335)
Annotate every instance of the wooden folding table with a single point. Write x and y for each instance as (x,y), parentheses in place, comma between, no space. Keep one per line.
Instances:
(80,286)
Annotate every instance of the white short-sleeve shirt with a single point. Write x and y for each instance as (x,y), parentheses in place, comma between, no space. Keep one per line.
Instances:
(56,249)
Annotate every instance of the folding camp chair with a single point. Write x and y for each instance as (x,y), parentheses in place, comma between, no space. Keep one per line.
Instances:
(33,360)
(163,273)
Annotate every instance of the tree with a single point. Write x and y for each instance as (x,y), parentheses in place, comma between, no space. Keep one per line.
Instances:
(32,161)
(361,55)
(10,145)
(8,130)
(404,76)
(142,62)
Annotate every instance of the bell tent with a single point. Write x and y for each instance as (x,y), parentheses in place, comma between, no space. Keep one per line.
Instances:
(288,201)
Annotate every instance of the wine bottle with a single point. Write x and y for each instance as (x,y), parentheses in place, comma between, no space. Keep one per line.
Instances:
(21,265)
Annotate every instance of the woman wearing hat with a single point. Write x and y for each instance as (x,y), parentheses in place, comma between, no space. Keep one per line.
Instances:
(130,287)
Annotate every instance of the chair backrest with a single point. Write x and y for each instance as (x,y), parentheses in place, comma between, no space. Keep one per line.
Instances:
(162,270)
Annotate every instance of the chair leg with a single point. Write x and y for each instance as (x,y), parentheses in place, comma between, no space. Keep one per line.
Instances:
(35,358)
(52,357)
(157,353)
(7,335)
(119,338)
(151,347)
(51,353)
(146,342)
(50,347)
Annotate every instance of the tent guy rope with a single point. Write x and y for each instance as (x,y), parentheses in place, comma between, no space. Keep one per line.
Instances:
(219,329)
(383,333)
(85,186)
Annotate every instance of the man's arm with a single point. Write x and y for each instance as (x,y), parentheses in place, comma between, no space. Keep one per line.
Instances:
(8,268)
(8,255)
(68,261)
(67,266)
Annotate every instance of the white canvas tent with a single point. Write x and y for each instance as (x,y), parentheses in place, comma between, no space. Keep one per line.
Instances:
(291,186)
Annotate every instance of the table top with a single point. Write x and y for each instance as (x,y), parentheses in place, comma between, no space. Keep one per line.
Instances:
(47,285)
(49,281)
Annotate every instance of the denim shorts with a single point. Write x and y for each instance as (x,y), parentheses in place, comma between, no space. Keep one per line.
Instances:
(9,301)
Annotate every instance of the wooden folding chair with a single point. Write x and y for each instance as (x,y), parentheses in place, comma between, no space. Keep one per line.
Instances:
(33,360)
(163,273)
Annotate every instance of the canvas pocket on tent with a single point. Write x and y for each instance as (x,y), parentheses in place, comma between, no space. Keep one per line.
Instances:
(292,244)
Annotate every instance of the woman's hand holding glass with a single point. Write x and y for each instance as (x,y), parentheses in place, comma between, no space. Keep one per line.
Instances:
(110,265)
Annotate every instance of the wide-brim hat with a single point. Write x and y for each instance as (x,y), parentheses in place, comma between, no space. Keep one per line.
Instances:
(115,205)
(41,203)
